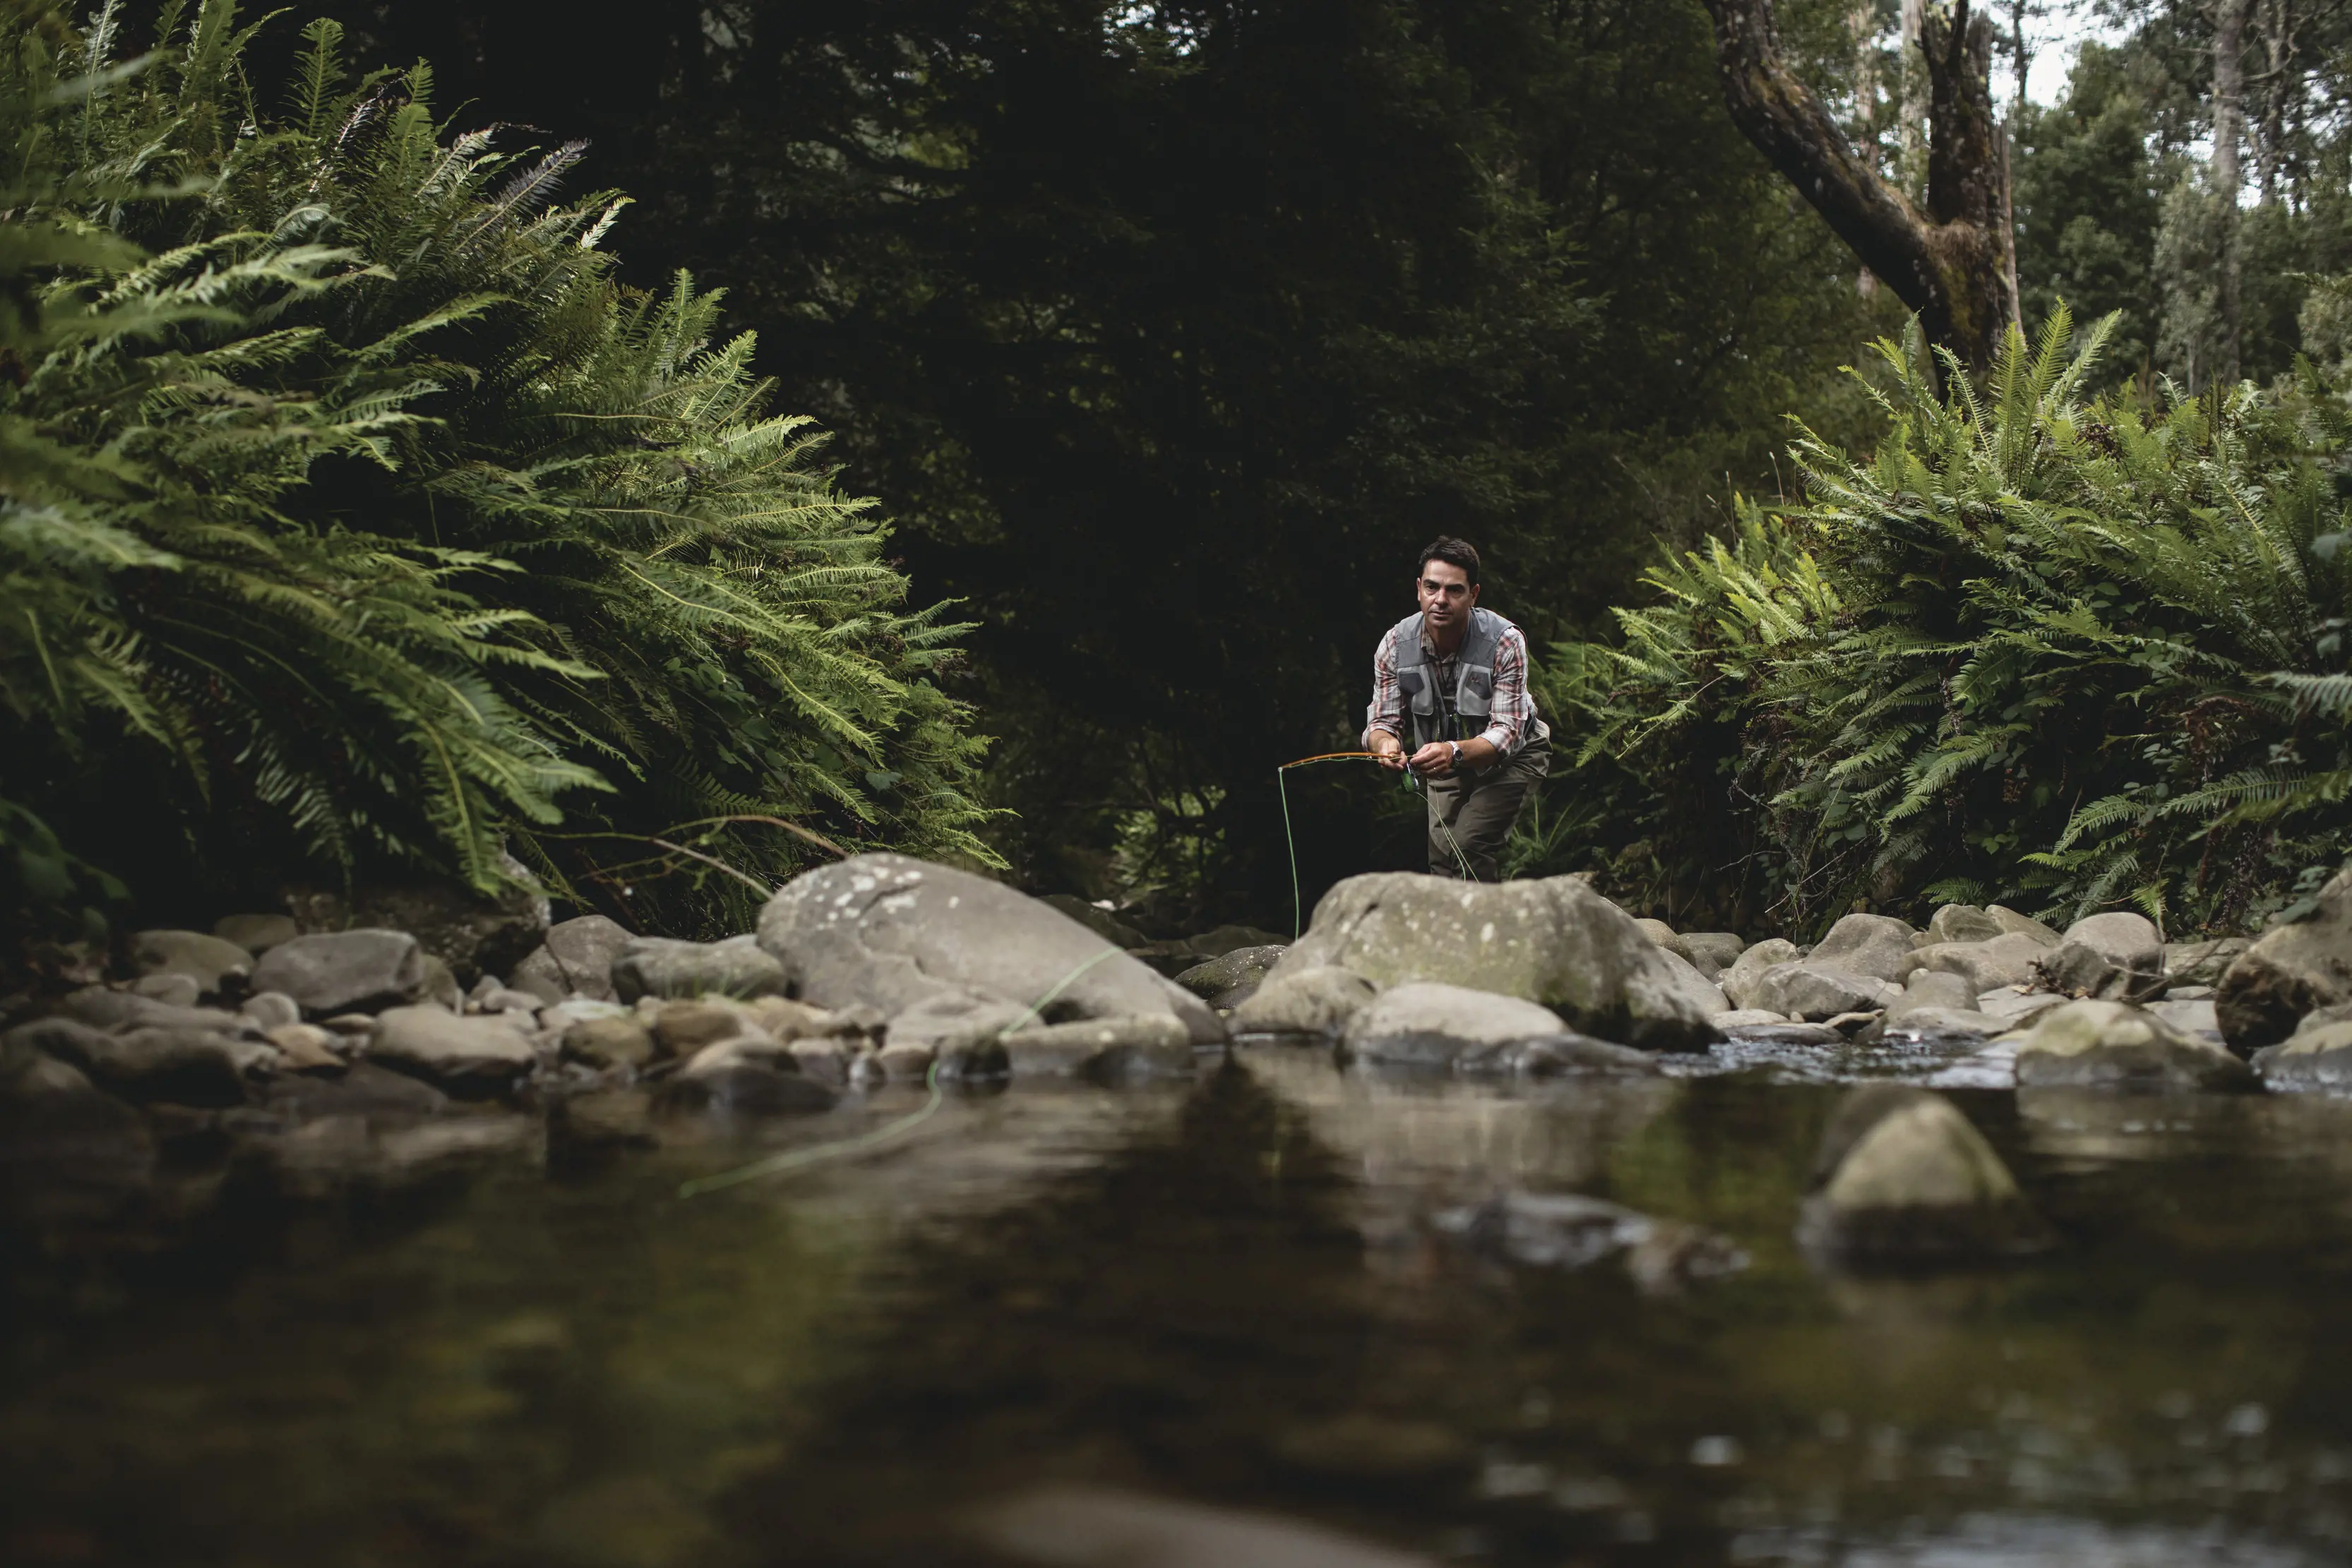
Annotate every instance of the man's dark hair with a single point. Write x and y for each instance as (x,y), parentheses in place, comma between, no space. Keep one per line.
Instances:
(1453,552)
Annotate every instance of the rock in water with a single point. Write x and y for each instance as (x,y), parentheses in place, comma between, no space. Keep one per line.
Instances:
(68,1153)
(2316,1056)
(2118,956)
(1305,1000)
(889,932)
(1813,992)
(1424,1025)
(185,1066)
(2291,969)
(1740,980)
(464,1055)
(665,966)
(1554,942)
(2098,1044)
(1903,1180)
(1694,986)
(576,959)
(1228,981)
(1877,946)
(1106,1049)
(344,971)
(1565,1230)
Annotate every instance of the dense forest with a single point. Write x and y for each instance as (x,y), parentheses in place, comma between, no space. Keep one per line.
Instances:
(448,436)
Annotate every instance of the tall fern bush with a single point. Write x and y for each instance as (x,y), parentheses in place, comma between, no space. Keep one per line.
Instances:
(352,513)
(2038,648)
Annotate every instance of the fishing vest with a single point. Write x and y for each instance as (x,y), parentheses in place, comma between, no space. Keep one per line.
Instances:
(1473,678)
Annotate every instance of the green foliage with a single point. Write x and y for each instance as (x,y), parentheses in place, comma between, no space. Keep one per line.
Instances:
(2034,648)
(348,503)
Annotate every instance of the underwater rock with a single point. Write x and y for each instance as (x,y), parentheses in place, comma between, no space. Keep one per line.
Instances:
(1902,1180)
(1565,1230)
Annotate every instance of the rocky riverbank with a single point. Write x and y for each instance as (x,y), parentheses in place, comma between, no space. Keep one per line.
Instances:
(311,1051)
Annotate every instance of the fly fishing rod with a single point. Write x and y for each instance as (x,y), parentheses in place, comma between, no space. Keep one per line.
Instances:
(1282,787)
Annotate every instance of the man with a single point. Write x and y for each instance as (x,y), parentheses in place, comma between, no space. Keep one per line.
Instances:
(1450,702)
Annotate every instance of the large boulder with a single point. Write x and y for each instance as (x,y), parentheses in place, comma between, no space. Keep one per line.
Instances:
(1315,1000)
(1962,923)
(2103,1044)
(2291,969)
(575,959)
(2004,960)
(1902,1180)
(2118,956)
(1554,942)
(1812,991)
(463,1055)
(1747,971)
(665,967)
(1422,1024)
(345,971)
(1694,986)
(1665,936)
(892,933)
(1877,946)
(1712,951)
(2012,924)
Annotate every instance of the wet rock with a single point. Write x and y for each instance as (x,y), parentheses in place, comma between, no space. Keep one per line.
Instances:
(1936,1023)
(1932,988)
(2291,969)
(912,1063)
(1563,1055)
(950,1018)
(681,1028)
(306,1048)
(365,1090)
(2200,963)
(663,967)
(2104,1044)
(1961,923)
(1875,947)
(466,1056)
(2318,1055)
(1747,971)
(2117,955)
(1712,951)
(741,1088)
(827,1061)
(186,1066)
(2013,924)
(1784,1033)
(257,933)
(209,961)
(598,1122)
(173,990)
(888,932)
(2004,960)
(607,1042)
(1430,1025)
(1226,983)
(1850,1025)
(1694,986)
(1902,1180)
(1553,942)
(466,931)
(1665,936)
(1810,991)
(575,959)
(1737,1019)
(270,1010)
(1075,1527)
(789,1020)
(1099,921)
(1142,1045)
(1310,999)
(101,1007)
(345,971)
(1563,1231)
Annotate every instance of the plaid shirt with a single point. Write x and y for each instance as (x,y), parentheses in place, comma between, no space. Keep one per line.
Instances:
(1511,721)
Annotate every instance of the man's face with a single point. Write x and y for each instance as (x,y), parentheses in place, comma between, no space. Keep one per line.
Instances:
(1446,595)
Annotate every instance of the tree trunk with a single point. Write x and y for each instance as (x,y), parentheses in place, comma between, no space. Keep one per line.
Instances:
(2229,131)
(1945,263)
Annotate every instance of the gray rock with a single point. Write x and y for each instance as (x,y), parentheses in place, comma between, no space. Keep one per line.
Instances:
(208,960)
(1932,988)
(665,966)
(1694,986)
(174,991)
(1937,1022)
(307,1048)
(1429,1025)
(2117,955)
(604,1043)
(2200,963)
(683,1027)
(440,987)
(1748,1018)
(1665,936)
(184,1066)
(464,929)
(2016,1008)
(1226,983)
(2316,1056)
(1962,923)
(68,1153)
(1101,922)
(2013,924)
(1141,1045)
(462,1055)
(345,971)
(257,933)
(267,1010)
(1712,951)
(1554,942)
(101,1007)
(2004,960)
(1747,971)
(1565,1230)
(2190,1015)
(1809,990)
(1312,1000)
(2103,1044)
(912,1063)
(951,1018)
(1902,1180)
(2291,969)
(888,932)
(576,959)
(1785,1033)
(1877,946)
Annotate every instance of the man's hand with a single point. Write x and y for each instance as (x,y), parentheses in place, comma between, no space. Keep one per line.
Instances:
(1434,761)
(1389,749)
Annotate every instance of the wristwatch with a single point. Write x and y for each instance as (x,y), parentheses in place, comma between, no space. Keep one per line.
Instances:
(1457,745)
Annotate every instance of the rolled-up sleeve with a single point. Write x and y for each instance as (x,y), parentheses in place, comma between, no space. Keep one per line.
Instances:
(1514,705)
(1387,711)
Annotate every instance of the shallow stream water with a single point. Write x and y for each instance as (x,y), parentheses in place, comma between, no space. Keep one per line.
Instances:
(1210,1323)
